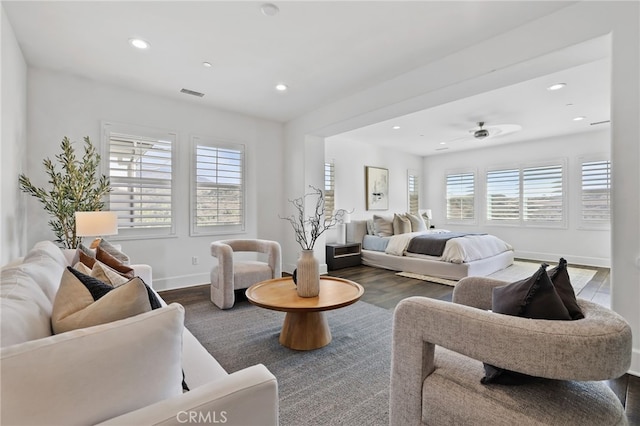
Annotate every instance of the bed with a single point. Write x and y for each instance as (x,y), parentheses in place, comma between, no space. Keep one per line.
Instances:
(462,255)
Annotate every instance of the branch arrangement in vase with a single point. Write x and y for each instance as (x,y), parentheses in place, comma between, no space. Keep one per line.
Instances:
(307,229)
(76,188)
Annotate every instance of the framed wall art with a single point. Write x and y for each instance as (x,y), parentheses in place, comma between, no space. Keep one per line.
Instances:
(377,183)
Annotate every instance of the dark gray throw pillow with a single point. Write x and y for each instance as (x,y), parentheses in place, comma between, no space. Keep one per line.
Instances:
(562,283)
(534,297)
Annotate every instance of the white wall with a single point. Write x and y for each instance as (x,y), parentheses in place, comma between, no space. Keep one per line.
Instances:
(350,159)
(63,105)
(519,55)
(577,245)
(13,148)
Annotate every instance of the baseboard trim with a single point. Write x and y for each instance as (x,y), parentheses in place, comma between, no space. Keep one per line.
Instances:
(575,260)
(181,281)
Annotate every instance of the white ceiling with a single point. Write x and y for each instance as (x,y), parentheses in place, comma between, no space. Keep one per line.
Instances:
(323,51)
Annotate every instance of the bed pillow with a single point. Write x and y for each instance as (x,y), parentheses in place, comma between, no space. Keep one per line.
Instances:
(534,297)
(401,224)
(371,229)
(417,222)
(562,283)
(383,226)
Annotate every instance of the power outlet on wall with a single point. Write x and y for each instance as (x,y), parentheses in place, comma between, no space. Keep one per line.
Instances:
(194,260)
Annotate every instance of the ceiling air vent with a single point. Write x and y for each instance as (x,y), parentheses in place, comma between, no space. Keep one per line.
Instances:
(442,149)
(600,122)
(192,92)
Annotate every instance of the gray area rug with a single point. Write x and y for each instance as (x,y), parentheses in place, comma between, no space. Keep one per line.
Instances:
(344,383)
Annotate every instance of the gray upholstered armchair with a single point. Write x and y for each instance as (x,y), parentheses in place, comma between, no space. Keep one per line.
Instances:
(439,347)
(233,274)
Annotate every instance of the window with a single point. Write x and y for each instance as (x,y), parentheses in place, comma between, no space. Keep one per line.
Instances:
(596,192)
(460,197)
(527,195)
(503,195)
(329,189)
(414,194)
(542,194)
(217,187)
(141,175)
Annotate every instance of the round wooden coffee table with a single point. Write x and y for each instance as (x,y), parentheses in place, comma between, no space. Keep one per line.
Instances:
(305,326)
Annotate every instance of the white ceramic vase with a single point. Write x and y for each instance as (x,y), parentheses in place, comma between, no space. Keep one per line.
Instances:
(308,275)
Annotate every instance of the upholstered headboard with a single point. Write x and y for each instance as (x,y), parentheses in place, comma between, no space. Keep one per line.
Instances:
(356,230)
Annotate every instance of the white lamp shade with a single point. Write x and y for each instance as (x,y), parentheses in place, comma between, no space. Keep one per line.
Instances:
(94,224)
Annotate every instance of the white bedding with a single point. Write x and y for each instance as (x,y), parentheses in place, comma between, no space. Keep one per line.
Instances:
(457,250)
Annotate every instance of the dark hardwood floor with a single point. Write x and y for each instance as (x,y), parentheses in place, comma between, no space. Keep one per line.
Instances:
(385,289)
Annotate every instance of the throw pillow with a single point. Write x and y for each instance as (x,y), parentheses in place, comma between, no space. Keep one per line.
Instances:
(371,229)
(75,307)
(417,222)
(86,260)
(113,251)
(562,283)
(533,297)
(383,226)
(401,224)
(113,263)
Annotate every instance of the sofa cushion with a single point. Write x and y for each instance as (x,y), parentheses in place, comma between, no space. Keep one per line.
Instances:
(452,395)
(75,306)
(91,375)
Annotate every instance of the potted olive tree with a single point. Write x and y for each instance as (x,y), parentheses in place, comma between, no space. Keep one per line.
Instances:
(77,187)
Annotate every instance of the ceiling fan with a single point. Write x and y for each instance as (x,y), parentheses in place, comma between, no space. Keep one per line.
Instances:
(483,132)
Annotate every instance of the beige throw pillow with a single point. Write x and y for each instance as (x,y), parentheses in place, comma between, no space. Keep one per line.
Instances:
(383,226)
(74,306)
(417,222)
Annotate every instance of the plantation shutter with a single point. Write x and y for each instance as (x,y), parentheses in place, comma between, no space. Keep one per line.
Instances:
(329,189)
(503,195)
(414,198)
(596,192)
(460,197)
(141,171)
(217,187)
(542,194)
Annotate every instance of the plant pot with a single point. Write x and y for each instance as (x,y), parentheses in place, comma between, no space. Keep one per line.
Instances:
(308,275)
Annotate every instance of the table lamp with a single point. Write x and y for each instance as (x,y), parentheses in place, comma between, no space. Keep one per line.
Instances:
(96,224)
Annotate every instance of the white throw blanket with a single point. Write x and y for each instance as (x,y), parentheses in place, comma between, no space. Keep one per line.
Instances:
(457,250)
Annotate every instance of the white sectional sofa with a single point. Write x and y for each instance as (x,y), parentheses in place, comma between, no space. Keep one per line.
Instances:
(126,372)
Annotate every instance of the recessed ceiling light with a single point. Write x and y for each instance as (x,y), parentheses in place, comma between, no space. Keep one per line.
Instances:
(280,87)
(580,118)
(207,64)
(139,43)
(269,9)
(443,143)
(556,86)
(395,127)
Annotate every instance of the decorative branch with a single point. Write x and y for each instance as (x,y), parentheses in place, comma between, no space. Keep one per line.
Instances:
(308,229)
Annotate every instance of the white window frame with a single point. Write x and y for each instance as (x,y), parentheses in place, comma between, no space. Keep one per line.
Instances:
(523,221)
(125,230)
(585,223)
(221,228)
(461,172)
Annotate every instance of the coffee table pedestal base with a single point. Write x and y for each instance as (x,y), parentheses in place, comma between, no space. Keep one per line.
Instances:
(304,331)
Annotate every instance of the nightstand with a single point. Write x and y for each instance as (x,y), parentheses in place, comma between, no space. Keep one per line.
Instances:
(342,255)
